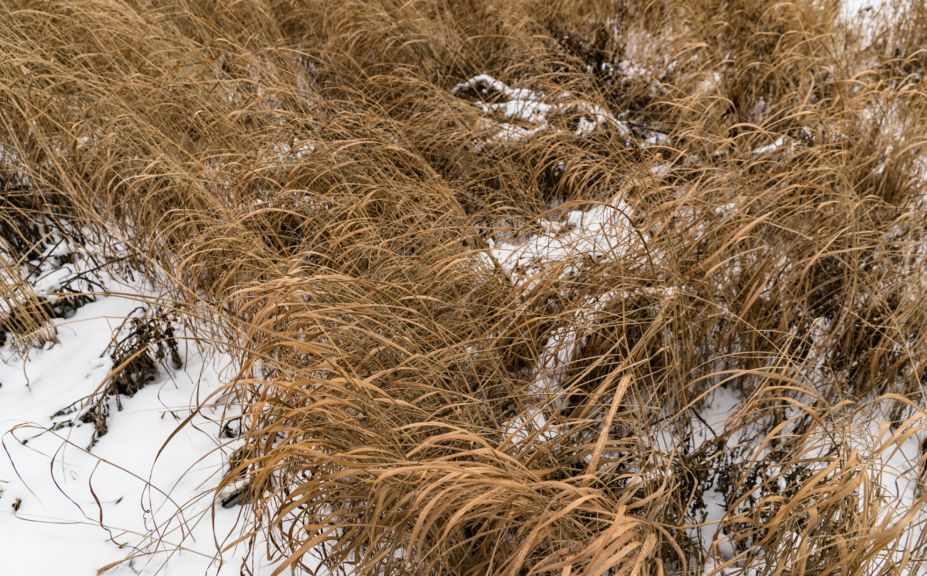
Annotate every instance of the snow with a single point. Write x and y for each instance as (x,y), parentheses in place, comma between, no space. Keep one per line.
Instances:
(140,497)
(770,147)
(864,15)
(890,460)
(857,7)
(598,232)
(518,114)
(601,232)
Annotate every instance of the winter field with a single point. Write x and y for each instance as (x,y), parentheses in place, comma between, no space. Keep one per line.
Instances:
(430,287)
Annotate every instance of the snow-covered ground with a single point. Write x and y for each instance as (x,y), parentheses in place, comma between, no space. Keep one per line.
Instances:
(67,511)
(855,7)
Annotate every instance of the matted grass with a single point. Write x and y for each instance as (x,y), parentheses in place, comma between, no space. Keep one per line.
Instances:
(318,185)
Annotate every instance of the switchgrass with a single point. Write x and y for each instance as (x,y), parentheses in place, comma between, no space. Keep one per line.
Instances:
(24,316)
(306,181)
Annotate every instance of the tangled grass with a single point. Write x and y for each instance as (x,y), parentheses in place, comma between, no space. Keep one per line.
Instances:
(340,200)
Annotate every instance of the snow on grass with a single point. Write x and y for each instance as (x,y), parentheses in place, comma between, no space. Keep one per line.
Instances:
(519,113)
(853,8)
(885,462)
(864,15)
(139,492)
(600,232)
(603,231)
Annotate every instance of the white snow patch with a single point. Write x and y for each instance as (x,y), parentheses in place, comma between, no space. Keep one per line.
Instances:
(77,511)
(519,113)
(604,231)
(770,147)
(857,7)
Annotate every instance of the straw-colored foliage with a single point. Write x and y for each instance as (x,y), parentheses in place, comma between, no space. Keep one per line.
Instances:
(307,181)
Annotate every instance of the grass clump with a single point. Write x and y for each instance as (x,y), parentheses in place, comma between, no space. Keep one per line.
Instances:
(522,287)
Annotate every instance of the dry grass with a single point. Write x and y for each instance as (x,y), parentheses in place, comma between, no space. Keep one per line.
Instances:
(318,192)
(24,315)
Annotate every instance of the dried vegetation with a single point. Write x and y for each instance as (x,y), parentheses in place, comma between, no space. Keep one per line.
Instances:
(323,191)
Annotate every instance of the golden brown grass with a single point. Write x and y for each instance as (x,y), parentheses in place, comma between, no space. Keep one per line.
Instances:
(24,315)
(312,187)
